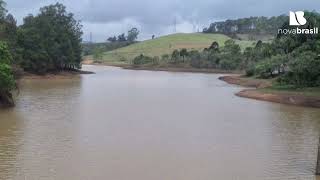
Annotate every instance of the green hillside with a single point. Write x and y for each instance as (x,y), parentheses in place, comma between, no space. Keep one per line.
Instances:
(166,45)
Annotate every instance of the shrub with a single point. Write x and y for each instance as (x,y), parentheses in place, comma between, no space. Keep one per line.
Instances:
(140,60)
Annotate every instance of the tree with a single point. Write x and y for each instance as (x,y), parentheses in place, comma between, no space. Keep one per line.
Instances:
(214,46)
(195,57)
(122,37)
(112,39)
(304,70)
(175,56)
(230,46)
(7,82)
(183,53)
(97,54)
(141,59)
(133,34)
(51,40)
(3,10)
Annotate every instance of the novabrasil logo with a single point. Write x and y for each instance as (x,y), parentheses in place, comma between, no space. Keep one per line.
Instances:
(298,19)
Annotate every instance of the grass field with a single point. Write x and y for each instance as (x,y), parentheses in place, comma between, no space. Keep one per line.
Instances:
(166,45)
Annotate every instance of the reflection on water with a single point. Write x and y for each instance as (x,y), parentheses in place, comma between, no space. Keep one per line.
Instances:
(124,125)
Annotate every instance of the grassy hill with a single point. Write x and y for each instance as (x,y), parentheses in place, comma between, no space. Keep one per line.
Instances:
(166,45)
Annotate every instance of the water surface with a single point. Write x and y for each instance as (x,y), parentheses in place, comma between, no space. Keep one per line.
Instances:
(143,125)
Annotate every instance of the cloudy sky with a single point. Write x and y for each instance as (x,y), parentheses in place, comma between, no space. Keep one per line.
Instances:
(109,17)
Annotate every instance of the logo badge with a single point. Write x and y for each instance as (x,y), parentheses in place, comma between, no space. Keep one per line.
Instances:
(297,18)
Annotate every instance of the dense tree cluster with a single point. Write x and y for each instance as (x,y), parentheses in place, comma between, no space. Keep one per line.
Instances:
(7,82)
(49,41)
(131,37)
(256,25)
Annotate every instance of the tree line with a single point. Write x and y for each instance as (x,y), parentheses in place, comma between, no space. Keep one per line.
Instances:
(251,25)
(112,43)
(293,59)
(131,37)
(48,41)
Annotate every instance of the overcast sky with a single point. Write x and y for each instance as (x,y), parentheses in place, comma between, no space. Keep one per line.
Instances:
(110,17)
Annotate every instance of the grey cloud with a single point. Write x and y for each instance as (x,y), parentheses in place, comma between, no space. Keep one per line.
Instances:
(108,17)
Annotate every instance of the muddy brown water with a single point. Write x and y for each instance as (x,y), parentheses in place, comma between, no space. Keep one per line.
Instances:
(143,125)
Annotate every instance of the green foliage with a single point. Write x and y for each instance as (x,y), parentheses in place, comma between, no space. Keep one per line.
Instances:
(122,38)
(51,40)
(230,56)
(183,53)
(89,48)
(140,60)
(97,54)
(165,57)
(5,56)
(3,9)
(175,56)
(7,82)
(252,25)
(195,59)
(271,67)
(133,34)
(167,44)
(304,70)
(214,46)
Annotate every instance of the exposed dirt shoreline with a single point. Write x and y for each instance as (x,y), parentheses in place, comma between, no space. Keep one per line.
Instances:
(55,75)
(182,69)
(277,97)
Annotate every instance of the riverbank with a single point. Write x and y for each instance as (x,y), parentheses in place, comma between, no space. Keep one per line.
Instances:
(263,88)
(309,97)
(164,67)
(55,75)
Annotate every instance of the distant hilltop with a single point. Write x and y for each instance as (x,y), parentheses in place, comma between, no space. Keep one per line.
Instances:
(252,25)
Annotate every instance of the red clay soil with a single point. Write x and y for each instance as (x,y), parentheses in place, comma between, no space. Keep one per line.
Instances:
(238,80)
(298,100)
(55,75)
(283,98)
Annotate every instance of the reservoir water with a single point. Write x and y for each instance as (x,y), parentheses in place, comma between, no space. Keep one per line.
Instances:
(143,125)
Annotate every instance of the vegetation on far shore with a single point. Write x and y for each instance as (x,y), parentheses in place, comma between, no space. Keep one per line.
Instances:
(165,45)
(294,60)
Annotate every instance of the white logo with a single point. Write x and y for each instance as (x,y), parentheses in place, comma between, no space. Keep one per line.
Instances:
(297,18)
